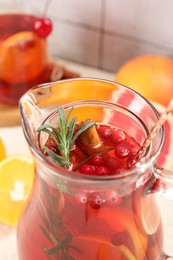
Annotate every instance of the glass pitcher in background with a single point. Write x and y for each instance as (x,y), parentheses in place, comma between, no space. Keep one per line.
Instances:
(23,52)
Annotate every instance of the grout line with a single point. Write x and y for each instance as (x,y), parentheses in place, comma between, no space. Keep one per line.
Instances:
(104,32)
(73,23)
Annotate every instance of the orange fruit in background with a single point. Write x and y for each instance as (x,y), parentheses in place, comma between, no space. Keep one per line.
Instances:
(150,75)
(16,178)
(22,57)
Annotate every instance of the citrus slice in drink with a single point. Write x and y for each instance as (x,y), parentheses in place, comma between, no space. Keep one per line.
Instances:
(16,178)
(92,248)
(22,57)
(2,150)
(150,216)
(126,218)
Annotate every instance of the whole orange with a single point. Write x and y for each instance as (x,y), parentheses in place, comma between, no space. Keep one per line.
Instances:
(150,75)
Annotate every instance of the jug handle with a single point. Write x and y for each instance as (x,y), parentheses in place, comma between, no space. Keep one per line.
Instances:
(162,184)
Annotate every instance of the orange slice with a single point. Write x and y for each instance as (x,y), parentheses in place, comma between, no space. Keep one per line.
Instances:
(2,150)
(150,215)
(95,248)
(124,217)
(22,57)
(16,178)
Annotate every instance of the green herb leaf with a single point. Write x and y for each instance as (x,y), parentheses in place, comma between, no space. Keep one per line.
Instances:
(64,137)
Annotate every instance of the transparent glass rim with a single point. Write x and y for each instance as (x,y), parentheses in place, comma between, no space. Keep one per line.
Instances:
(58,171)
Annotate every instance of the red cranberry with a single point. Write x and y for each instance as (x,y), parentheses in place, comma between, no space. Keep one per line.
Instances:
(87,168)
(102,170)
(117,136)
(104,131)
(119,171)
(81,199)
(131,161)
(133,150)
(119,238)
(42,27)
(112,164)
(132,146)
(96,160)
(121,151)
(112,198)
(96,200)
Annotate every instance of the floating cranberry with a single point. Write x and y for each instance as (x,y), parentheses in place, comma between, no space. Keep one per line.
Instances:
(121,151)
(104,131)
(119,171)
(119,238)
(131,161)
(102,171)
(112,164)
(42,27)
(112,198)
(96,160)
(81,199)
(132,146)
(87,168)
(117,136)
(96,200)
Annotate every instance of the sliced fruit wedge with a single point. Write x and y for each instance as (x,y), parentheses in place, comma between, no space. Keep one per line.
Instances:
(150,215)
(124,217)
(22,57)
(92,248)
(16,178)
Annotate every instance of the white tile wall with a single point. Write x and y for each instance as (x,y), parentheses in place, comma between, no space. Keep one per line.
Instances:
(104,33)
(118,49)
(77,11)
(75,43)
(150,20)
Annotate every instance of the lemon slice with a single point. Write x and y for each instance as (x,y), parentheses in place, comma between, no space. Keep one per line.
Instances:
(16,178)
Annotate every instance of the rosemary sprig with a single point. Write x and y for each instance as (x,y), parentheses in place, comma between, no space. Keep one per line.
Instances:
(64,137)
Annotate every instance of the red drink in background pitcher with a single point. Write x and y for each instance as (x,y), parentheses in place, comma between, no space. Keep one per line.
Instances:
(23,55)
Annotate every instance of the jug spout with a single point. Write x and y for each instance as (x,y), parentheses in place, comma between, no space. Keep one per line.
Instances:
(34,110)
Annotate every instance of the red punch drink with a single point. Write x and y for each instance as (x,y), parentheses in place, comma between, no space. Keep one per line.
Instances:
(95,213)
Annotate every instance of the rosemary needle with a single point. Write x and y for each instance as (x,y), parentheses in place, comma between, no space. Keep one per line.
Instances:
(63,136)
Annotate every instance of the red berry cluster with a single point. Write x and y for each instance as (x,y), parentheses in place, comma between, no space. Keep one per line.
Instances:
(115,162)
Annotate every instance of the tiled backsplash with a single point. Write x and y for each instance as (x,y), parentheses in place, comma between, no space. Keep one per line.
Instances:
(105,33)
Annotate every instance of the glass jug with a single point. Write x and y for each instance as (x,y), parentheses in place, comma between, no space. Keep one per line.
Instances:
(59,220)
